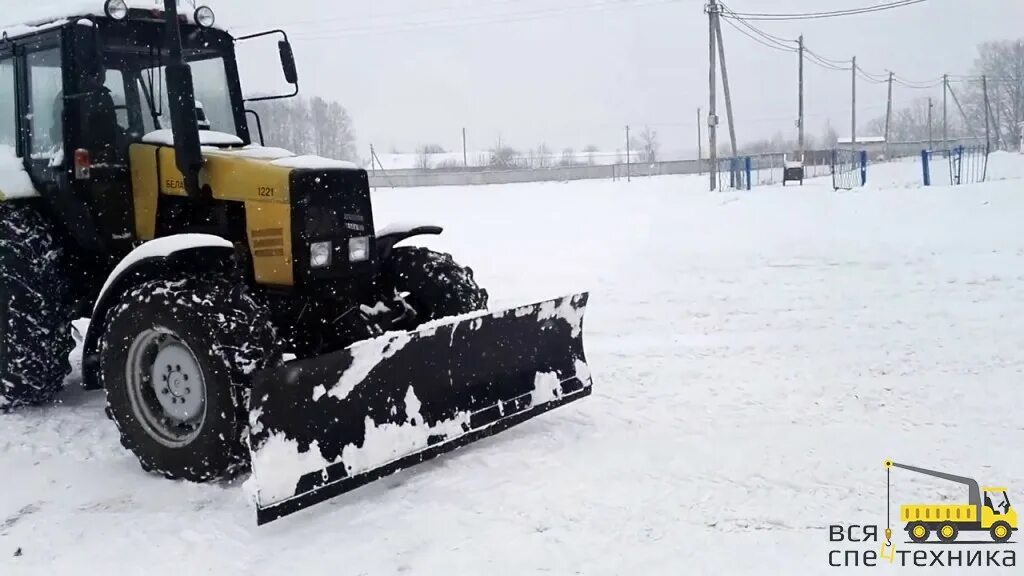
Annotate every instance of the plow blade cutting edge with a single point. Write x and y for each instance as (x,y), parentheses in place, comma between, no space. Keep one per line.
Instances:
(324,426)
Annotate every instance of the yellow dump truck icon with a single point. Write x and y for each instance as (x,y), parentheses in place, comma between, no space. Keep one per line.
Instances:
(987,510)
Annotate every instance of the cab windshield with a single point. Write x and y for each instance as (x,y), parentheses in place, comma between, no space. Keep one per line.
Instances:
(135,75)
(999,502)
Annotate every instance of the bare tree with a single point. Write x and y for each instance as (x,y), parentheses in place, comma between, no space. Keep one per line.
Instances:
(505,157)
(591,152)
(568,158)
(830,137)
(543,156)
(308,126)
(647,145)
(1003,64)
(424,153)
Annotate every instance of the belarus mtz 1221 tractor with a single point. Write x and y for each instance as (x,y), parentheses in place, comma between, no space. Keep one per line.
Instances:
(244,312)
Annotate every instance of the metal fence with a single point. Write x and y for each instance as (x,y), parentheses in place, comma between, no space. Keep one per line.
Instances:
(955,166)
(849,169)
(768,169)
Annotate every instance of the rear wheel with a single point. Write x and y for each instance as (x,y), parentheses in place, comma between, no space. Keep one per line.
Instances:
(918,531)
(175,360)
(437,286)
(35,329)
(948,532)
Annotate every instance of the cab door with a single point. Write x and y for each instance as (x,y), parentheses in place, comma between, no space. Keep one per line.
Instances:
(42,78)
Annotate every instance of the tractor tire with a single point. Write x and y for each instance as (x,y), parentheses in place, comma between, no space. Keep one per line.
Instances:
(1000,532)
(918,531)
(35,309)
(175,361)
(437,286)
(948,532)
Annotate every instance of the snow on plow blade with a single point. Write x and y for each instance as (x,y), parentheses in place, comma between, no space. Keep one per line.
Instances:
(324,426)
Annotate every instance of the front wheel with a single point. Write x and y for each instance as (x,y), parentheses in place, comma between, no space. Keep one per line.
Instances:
(1000,532)
(436,285)
(175,360)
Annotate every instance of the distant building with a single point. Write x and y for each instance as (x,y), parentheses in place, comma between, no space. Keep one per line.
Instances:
(875,145)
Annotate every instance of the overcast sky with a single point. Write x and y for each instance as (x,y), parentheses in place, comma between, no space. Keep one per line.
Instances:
(575,72)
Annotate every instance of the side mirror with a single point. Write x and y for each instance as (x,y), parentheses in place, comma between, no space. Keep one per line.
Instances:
(284,48)
(291,74)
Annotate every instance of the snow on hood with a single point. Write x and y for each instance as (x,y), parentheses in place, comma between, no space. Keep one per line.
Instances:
(206,138)
(14,181)
(313,163)
(257,152)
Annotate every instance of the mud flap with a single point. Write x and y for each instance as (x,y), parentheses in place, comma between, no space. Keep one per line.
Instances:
(324,426)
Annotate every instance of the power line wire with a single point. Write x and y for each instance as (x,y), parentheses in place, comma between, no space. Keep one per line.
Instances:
(765,16)
(480,20)
(760,41)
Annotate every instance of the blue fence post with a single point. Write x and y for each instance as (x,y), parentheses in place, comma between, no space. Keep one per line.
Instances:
(863,167)
(926,167)
(959,164)
(835,157)
(748,163)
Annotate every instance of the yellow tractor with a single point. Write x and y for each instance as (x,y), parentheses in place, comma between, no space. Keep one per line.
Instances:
(993,514)
(245,309)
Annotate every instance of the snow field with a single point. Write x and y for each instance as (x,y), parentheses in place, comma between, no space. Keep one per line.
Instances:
(756,355)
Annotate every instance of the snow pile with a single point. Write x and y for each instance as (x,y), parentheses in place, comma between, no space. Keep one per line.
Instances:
(14,181)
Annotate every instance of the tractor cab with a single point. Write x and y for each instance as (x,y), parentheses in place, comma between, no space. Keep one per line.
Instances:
(99,83)
(997,500)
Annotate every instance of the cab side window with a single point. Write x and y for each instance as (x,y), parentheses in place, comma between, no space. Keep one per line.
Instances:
(8,108)
(46,99)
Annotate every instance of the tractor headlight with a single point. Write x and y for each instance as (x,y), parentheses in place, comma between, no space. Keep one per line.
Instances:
(320,254)
(205,17)
(359,249)
(116,9)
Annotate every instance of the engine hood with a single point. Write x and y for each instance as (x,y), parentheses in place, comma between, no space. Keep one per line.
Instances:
(250,173)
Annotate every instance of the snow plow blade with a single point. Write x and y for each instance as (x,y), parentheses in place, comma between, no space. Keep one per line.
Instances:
(324,426)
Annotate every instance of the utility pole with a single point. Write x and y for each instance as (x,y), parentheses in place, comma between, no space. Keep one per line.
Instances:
(988,125)
(888,116)
(800,120)
(725,83)
(629,168)
(712,109)
(931,141)
(999,123)
(945,117)
(853,105)
(465,154)
(700,146)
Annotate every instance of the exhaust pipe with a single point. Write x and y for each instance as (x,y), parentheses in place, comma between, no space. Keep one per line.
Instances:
(182,102)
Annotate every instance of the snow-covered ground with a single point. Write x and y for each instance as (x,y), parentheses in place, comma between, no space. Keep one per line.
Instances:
(756,355)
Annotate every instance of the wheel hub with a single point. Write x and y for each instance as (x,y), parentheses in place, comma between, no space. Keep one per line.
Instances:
(166,387)
(178,382)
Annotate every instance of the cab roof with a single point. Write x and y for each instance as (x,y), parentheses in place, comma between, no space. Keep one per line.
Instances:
(29,17)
